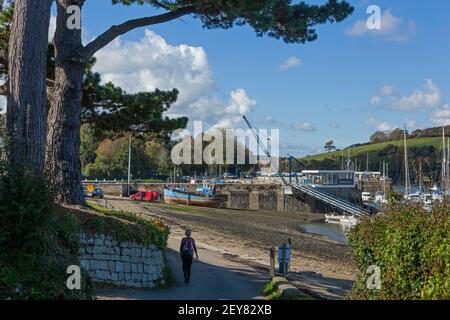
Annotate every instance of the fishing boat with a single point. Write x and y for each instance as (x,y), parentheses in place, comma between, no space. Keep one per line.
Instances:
(341,219)
(204,197)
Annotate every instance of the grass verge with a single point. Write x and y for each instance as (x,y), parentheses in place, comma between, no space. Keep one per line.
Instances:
(273,293)
(124,226)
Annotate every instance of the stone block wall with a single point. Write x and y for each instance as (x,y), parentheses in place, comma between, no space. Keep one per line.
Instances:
(121,263)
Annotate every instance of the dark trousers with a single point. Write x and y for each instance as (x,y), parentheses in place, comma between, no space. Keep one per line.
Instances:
(187,264)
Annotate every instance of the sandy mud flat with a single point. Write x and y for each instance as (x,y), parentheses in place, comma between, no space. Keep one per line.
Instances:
(322,267)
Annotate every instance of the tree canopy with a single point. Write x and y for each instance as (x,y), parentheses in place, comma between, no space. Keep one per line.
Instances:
(292,22)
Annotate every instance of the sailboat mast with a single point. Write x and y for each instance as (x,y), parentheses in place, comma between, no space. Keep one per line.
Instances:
(367,162)
(406,164)
(420,176)
(444,160)
(348,159)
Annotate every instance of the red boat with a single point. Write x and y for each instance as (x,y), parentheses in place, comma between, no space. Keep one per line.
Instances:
(145,196)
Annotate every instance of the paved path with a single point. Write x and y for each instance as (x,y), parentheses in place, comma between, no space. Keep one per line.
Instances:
(213,278)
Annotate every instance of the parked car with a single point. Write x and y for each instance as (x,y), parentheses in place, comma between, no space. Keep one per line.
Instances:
(97,193)
(145,196)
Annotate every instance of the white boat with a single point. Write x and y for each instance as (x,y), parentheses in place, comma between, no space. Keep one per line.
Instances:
(341,219)
(366,196)
(380,198)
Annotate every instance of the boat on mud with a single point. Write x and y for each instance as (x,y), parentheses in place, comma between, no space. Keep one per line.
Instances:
(341,219)
(204,196)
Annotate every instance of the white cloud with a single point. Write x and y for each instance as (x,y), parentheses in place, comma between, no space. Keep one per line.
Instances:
(297,149)
(271,121)
(420,100)
(385,92)
(378,125)
(441,117)
(359,28)
(303,126)
(152,63)
(334,125)
(290,63)
(392,28)
(218,114)
(375,100)
(411,124)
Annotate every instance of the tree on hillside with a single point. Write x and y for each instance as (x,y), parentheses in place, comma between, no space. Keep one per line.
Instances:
(397,134)
(25,60)
(329,146)
(378,137)
(281,19)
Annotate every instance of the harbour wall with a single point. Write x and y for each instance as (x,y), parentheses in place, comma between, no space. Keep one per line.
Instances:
(247,196)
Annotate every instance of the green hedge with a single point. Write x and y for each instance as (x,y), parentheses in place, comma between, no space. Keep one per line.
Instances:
(38,242)
(412,249)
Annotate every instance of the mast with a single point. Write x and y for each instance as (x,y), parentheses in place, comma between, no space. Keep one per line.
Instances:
(444,161)
(348,159)
(384,179)
(406,164)
(420,176)
(367,163)
(447,170)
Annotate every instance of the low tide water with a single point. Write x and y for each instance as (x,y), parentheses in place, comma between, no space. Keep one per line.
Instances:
(332,231)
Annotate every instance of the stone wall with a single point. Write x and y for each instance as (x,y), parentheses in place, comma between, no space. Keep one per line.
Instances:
(373,186)
(121,263)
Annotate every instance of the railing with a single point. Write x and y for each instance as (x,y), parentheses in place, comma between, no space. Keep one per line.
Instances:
(332,200)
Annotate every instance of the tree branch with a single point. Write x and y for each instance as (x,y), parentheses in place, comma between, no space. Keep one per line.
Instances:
(116,31)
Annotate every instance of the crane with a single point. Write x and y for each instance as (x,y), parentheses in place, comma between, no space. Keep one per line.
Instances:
(317,194)
(255,132)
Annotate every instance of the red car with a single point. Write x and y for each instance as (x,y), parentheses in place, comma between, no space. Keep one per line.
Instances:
(145,196)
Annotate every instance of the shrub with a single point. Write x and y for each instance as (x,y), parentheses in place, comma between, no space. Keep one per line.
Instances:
(412,249)
(37,242)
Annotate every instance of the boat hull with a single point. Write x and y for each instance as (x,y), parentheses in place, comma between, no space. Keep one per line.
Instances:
(174,196)
(341,219)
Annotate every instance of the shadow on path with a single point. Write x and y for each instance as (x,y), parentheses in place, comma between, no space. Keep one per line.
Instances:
(213,278)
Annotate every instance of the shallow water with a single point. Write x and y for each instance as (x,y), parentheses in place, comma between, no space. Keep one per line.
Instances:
(330,231)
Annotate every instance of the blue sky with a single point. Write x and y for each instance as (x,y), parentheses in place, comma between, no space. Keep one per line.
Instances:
(344,86)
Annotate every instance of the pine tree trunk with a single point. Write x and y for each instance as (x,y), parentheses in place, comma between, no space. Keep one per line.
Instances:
(27,99)
(64,120)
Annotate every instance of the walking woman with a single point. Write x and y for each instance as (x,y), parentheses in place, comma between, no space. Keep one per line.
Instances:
(187,250)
